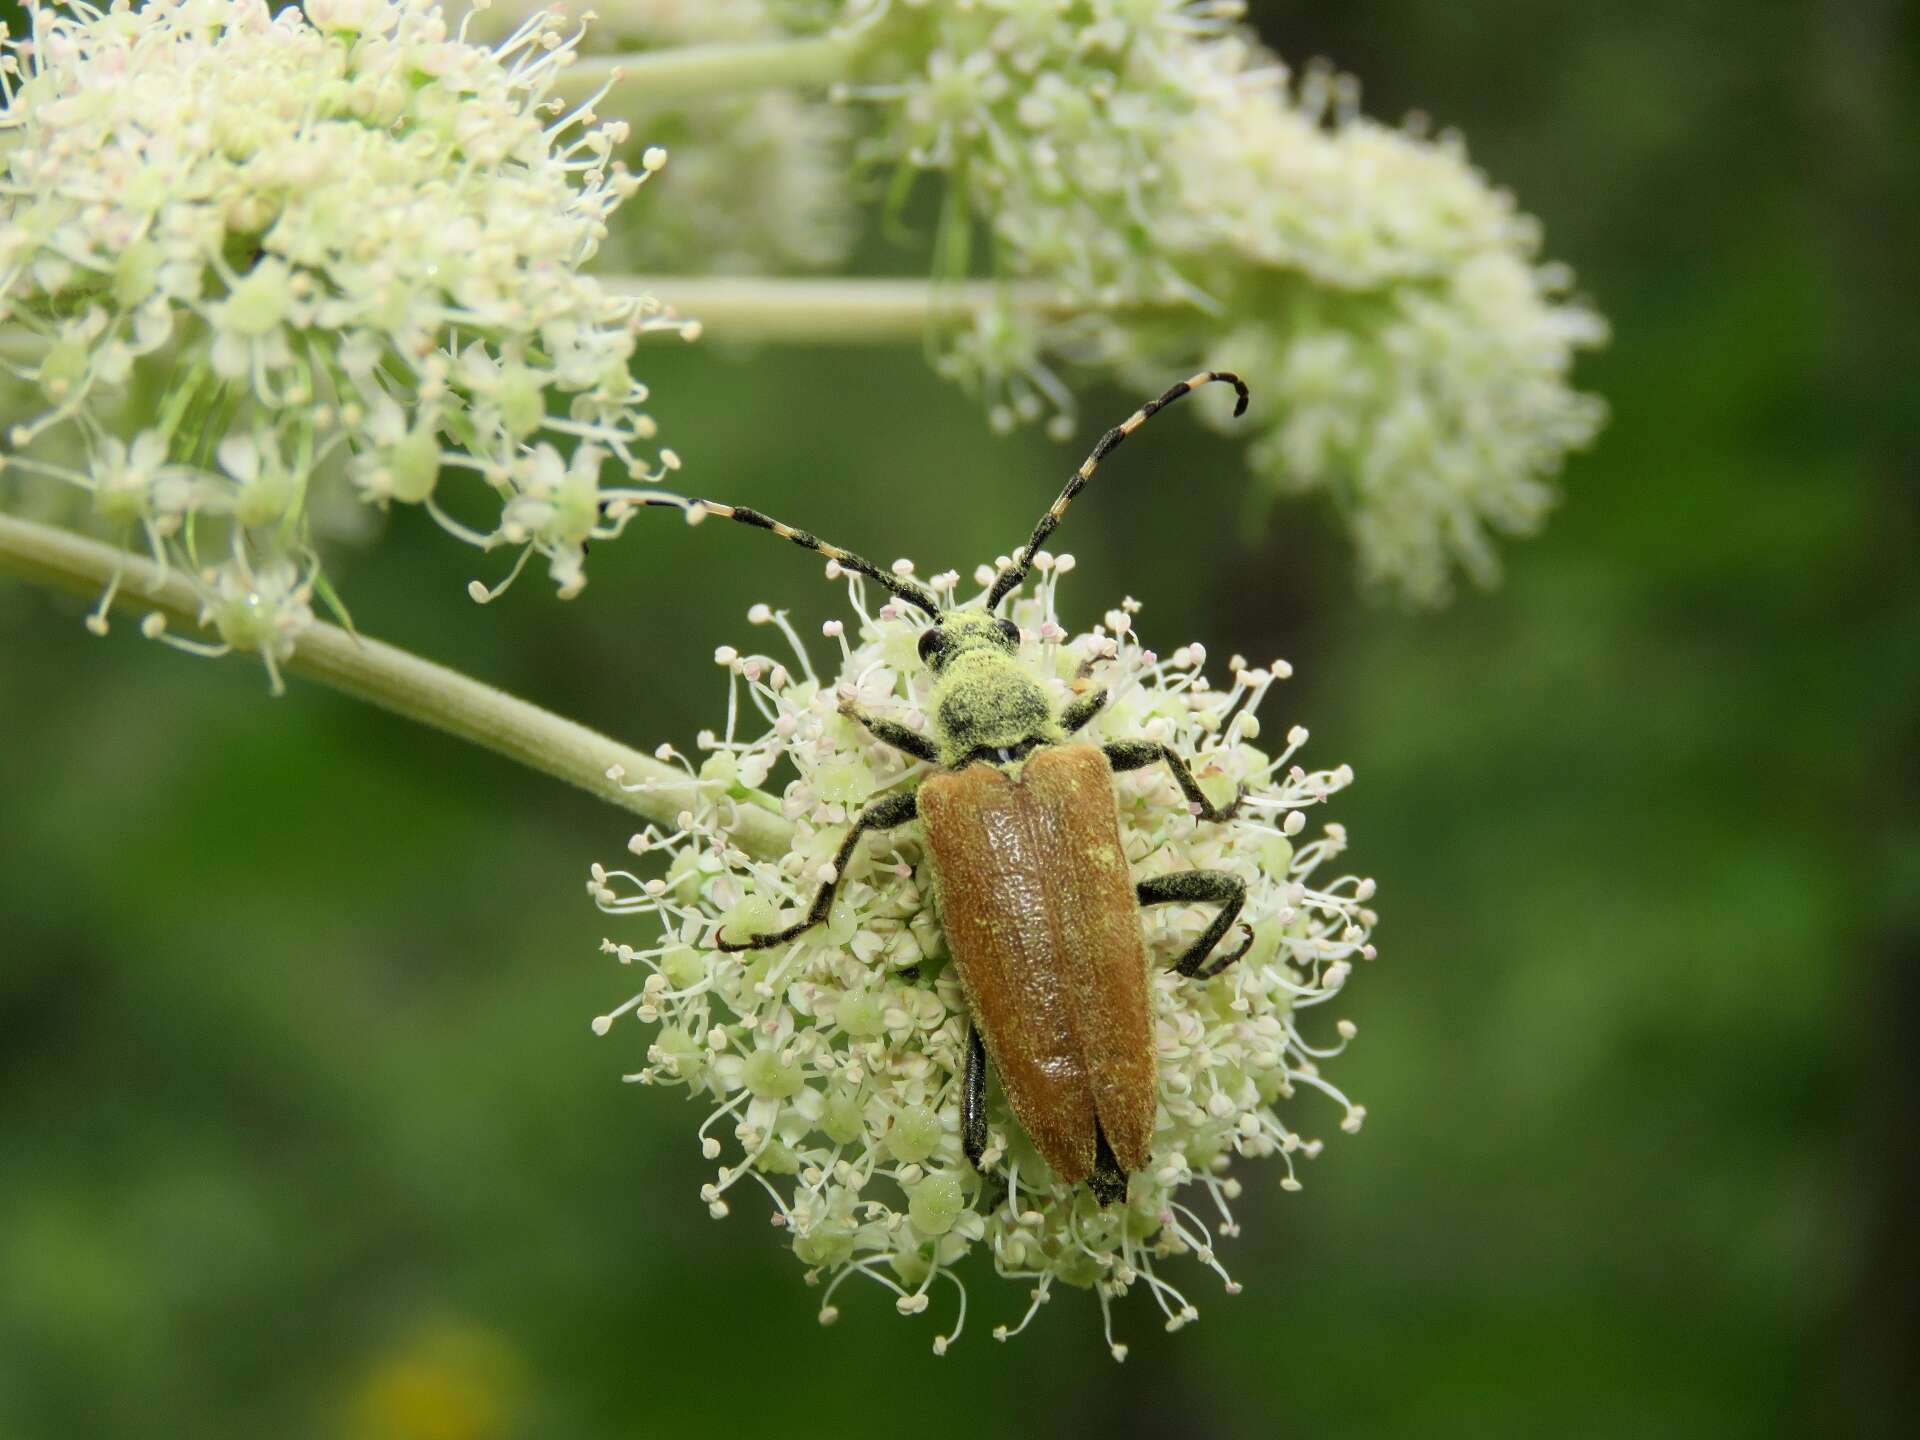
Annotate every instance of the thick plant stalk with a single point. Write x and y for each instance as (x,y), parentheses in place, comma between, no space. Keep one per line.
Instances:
(836,311)
(395,680)
(696,72)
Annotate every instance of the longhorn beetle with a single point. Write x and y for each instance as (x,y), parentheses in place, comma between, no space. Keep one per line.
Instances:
(1023,833)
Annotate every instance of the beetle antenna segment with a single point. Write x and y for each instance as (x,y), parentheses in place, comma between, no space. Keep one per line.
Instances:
(1109,442)
(896,585)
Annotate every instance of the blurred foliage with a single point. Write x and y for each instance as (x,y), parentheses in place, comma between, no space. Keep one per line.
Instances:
(302,1131)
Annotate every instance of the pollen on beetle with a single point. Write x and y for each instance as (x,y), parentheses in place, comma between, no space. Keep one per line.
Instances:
(827,1071)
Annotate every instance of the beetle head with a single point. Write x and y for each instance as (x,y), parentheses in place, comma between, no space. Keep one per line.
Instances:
(984,698)
(956,633)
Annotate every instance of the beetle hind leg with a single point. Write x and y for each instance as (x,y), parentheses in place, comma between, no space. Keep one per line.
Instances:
(973,1124)
(973,1101)
(1108,1181)
(1202,887)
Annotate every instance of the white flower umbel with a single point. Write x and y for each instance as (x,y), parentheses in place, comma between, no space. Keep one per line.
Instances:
(829,1070)
(1151,162)
(261,257)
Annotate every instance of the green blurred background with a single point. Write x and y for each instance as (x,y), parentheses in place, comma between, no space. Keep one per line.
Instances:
(302,1130)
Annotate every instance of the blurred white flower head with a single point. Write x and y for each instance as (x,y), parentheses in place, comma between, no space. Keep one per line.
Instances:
(829,1070)
(761,180)
(262,256)
(1166,194)
(1191,203)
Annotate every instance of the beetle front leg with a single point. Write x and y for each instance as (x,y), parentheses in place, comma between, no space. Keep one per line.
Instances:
(1076,715)
(889,732)
(883,815)
(1138,754)
(1202,887)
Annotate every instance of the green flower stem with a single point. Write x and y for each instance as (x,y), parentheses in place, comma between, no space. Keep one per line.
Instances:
(874,311)
(697,72)
(836,311)
(394,680)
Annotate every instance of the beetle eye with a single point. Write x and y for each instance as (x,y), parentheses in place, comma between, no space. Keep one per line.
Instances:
(930,642)
(1010,630)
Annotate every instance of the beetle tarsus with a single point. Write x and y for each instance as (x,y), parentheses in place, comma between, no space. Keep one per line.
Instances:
(1225,960)
(1201,887)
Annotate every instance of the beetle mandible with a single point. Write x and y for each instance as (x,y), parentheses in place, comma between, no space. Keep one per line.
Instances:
(1023,835)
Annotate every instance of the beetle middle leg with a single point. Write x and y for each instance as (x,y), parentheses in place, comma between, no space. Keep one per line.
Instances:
(1138,754)
(1202,887)
(882,815)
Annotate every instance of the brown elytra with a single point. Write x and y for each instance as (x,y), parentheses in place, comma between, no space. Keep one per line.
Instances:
(1042,919)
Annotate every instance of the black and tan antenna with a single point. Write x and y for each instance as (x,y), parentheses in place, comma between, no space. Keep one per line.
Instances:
(896,585)
(1011,577)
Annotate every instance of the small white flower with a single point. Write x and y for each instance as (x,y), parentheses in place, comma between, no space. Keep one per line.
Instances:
(830,1068)
(134,485)
(262,609)
(258,607)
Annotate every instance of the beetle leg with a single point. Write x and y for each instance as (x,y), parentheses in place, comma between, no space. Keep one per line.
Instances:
(882,815)
(973,1124)
(973,1100)
(1138,754)
(1108,1181)
(1202,887)
(887,732)
(1076,715)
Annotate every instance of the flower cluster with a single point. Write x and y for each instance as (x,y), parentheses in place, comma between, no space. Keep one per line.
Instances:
(1419,374)
(829,1069)
(761,179)
(267,262)
(1162,194)
(1152,163)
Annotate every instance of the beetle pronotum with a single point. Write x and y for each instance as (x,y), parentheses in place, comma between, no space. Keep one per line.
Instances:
(1024,841)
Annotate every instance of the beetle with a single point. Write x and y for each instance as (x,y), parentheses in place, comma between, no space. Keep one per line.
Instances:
(1023,835)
